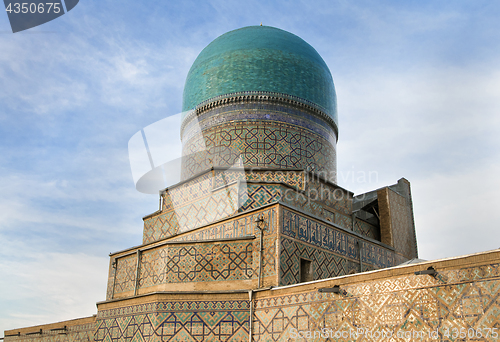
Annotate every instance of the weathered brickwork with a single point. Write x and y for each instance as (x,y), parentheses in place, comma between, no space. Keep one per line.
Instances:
(403,235)
(259,195)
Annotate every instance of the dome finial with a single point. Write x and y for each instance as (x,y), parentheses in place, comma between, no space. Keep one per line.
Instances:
(261,23)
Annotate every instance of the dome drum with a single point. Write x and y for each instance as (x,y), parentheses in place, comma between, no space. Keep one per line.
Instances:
(255,133)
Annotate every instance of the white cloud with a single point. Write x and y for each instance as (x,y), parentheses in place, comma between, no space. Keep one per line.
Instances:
(457,214)
(47,287)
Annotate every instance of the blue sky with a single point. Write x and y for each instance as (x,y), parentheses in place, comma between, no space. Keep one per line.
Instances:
(418,87)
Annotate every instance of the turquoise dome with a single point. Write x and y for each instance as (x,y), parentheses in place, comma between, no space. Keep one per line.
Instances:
(260,59)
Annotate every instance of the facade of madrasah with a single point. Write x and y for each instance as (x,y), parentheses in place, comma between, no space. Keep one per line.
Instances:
(257,242)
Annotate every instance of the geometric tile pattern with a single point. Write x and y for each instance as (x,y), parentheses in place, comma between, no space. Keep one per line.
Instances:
(399,259)
(175,321)
(218,205)
(76,333)
(344,221)
(177,264)
(232,228)
(199,262)
(259,195)
(317,234)
(258,111)
(324,264)
(211,197)
(260,144)
(268,260)
(228,261)
(292,178)
(125,274)
(302,228)
(264,69)
(464,300)
(215,195)
(159,227)
(189,206)
(111,278)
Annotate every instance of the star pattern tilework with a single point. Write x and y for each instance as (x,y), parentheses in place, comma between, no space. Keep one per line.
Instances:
(177,264)
(175,321)
(265,144)
(405,303)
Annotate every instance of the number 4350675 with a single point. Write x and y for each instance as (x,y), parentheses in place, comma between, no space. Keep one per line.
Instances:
(26,7)
(471,333)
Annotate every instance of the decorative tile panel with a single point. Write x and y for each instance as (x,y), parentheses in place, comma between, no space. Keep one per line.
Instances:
(322,200)
(465,299)
(303,229)
(184,321)
(259,144)
(294,179)
(198,263)
(258,195)
(221,261)
(324,264)
(327,194)
(190,206)
(233,228)
(125,274)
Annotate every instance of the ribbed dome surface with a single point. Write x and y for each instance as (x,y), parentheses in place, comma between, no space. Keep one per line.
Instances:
(261,59)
